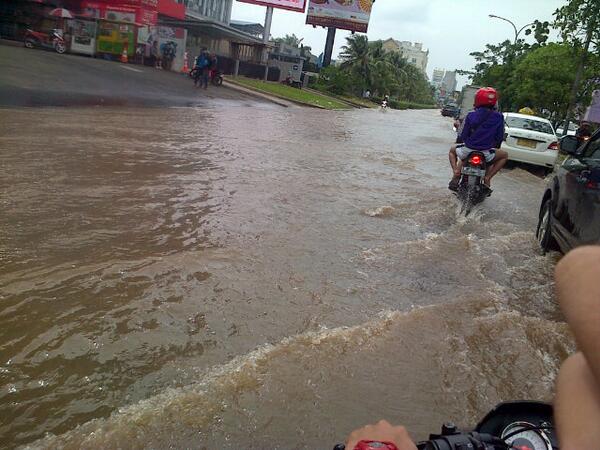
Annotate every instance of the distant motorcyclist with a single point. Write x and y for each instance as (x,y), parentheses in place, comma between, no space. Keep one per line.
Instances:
(201,69)
(483,131)
(385,102)
(584,132)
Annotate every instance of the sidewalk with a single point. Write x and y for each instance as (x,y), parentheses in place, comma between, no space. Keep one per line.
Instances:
(71,80)
(11,43)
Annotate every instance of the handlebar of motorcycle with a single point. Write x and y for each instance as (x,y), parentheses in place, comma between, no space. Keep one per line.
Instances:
(459,441)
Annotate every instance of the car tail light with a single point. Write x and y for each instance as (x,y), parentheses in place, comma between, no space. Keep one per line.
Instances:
(553,146)
(476,160)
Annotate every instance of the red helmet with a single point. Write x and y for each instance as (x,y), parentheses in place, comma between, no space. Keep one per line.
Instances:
(486,97)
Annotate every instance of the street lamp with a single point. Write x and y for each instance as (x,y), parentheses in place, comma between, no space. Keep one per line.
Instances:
(517,32)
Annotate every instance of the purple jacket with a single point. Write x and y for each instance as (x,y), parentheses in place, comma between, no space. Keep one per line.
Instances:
(483,129)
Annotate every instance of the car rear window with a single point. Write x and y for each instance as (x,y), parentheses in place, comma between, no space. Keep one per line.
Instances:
(529,124)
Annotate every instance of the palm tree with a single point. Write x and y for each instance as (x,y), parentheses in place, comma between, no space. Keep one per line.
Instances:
(355,57)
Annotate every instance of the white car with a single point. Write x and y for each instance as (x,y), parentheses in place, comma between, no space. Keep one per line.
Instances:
(572,131)
(530,139)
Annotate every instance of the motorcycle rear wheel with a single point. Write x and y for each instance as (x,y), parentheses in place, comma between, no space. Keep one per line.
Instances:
(60,48)
(29,43)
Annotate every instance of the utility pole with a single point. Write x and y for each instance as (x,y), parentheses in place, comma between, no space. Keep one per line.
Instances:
(266,36)
(329,46)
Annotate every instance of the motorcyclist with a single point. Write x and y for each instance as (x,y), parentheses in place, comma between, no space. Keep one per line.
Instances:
(577,402)
(584,132)
(386,101)
(483,130)
(201,69)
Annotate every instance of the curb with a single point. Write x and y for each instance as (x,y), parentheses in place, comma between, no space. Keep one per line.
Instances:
(236,87)
(277,98)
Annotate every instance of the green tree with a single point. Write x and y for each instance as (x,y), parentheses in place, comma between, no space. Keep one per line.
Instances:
(578,22)
(356,59)
(543,78)
(290,39)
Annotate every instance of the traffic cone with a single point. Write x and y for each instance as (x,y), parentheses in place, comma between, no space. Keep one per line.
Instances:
(186,67)
(123,58)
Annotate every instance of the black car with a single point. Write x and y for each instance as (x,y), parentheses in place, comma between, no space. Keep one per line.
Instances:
(450,110)
(570,210)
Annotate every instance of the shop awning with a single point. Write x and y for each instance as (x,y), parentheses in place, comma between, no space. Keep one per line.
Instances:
(213,29)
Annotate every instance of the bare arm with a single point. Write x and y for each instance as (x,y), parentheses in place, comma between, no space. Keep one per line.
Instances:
(577,403)
(578,289)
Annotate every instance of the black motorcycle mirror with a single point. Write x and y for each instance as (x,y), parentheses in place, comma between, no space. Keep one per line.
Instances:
(569,145)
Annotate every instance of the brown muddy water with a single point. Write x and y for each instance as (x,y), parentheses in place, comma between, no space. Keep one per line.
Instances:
(249,276)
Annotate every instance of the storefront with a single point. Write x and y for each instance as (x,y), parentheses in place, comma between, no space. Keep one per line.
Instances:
(16,16)
(83,34)
(113,37)
(143,12)
(117,25)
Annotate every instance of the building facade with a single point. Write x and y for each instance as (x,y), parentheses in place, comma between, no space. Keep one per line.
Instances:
(415,54)
(217,10)
(449,82)
(437,78)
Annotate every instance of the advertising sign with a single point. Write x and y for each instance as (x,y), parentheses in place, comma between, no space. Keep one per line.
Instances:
(350,15)
(292,5)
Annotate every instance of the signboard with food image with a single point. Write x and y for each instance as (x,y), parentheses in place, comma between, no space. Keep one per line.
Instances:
(350,15)
(292,5)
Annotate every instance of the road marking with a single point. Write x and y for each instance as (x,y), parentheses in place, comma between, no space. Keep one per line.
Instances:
(131,68)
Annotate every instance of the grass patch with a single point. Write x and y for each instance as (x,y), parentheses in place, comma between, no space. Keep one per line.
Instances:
(290,93)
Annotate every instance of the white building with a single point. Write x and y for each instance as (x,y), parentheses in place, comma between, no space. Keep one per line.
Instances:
(449,83)
(438,77)
(414,53)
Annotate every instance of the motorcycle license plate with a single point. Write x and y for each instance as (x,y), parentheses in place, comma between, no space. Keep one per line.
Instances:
(473,171)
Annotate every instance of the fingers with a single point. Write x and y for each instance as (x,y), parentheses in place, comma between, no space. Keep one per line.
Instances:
(382,431)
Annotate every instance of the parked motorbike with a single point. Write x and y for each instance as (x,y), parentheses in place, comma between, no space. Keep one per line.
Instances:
(471,188)
(512,425)
(53,40)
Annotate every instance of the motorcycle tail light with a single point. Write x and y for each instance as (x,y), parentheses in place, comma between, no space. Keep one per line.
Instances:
(476,160)
(553,146)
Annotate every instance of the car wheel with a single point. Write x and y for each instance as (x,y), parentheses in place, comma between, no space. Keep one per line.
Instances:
(544,229)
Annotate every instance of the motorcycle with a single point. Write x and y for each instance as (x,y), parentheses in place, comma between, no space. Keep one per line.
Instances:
(471,188)
(54,40)
(215,76)
(513,425)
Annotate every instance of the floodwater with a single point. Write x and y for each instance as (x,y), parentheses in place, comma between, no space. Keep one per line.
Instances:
(250,276)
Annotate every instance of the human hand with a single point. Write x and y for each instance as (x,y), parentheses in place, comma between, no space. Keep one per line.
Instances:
(383,431)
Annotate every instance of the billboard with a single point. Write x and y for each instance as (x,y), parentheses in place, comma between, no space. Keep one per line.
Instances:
(292,5)
(350,15)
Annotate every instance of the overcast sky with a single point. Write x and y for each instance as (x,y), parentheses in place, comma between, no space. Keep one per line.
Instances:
(450,29)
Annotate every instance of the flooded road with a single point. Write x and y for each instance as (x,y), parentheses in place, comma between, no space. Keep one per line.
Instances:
(249,276)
